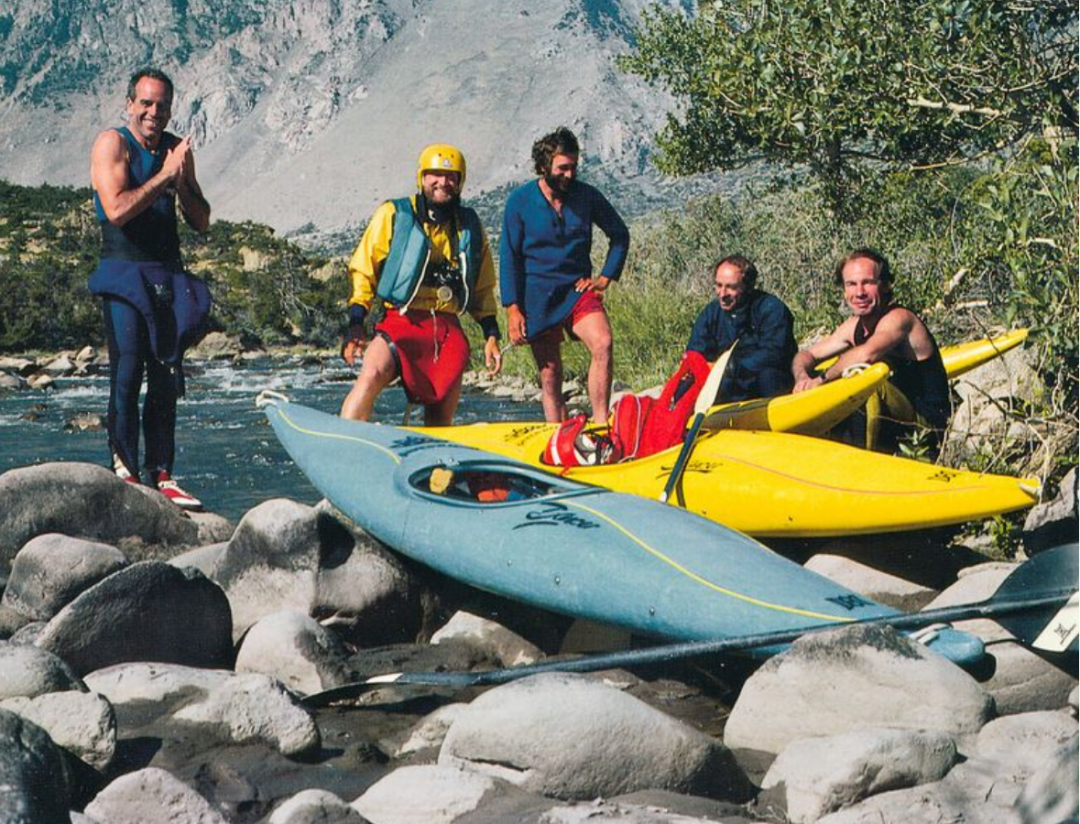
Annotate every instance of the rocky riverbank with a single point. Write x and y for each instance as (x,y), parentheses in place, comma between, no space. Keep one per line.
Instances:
(159,666)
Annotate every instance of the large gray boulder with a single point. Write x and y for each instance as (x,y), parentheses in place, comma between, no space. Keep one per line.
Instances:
(285,555)
(1022,744)
(982,418)
(149,611)
(218,706)
(271,562)
(1052,795)
(35,782)
(365,591)
(315,807)
(519,732)
(85,501)
(489,639)
(1054,522)
(83,723)
(1017,774)
(26,671)
(807,691)
(433,794)
(151,796)
(815,776)
(52,569)
(297,650)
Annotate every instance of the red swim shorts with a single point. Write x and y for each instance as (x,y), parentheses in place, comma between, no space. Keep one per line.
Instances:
(432,352)
(588,303)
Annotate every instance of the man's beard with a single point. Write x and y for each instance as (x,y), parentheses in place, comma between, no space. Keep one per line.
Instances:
(436,212)
(558,184)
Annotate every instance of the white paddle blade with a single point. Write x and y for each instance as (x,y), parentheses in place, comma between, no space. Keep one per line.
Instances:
(707,397)
(1063,628)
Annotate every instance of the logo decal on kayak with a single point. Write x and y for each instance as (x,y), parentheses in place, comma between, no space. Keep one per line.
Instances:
(850,602)
(520,435)
(555,514)
(945,475)
(693,466)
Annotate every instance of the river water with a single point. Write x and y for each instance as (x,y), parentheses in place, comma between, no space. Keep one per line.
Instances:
(227,454)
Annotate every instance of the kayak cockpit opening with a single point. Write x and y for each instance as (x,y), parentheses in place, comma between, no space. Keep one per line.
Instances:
(487,485)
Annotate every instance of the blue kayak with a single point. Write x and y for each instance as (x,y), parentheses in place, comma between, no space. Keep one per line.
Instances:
(584,551)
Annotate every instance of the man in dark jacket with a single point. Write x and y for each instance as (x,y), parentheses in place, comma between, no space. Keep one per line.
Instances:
(760,366)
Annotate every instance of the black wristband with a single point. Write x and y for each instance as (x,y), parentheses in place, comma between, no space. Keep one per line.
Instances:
(357,314)
(490,327)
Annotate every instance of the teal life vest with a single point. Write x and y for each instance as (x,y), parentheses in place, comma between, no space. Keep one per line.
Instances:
(402,272)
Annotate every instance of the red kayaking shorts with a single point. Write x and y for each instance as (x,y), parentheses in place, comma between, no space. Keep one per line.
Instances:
(588,303)
(431,351)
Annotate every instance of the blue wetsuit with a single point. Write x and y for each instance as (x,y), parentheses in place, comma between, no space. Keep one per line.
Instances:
(542,253)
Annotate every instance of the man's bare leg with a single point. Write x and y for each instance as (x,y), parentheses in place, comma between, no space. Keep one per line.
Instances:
(594,330)
(548,359)
(376,372)
(442,413)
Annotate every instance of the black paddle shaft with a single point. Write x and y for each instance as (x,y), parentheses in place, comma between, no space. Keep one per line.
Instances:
(1028,599)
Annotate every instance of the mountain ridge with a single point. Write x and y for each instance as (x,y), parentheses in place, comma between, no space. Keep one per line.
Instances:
(307,113)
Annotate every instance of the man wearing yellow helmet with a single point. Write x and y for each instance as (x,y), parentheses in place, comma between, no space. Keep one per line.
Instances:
(424,260)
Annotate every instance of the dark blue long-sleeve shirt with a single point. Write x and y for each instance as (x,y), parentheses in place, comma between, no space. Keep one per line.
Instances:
(760,366)
(542,254)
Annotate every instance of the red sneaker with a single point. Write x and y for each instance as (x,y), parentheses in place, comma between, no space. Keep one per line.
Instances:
(171,490)
(122,471)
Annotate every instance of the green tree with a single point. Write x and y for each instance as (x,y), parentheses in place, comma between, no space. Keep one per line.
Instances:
(845,87)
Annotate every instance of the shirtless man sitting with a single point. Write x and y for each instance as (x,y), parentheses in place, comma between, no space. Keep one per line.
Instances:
(881,330)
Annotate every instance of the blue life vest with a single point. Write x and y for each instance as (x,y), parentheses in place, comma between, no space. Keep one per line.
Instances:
(402,272)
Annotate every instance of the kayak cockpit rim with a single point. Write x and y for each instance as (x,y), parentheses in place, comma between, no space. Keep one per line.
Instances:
(492,483)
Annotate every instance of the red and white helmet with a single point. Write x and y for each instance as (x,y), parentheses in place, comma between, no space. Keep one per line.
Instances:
(573,445)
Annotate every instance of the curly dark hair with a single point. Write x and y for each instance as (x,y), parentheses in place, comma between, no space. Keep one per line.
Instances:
(561,141)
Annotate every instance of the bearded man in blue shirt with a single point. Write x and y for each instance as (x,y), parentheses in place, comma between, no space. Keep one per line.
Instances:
(546,278)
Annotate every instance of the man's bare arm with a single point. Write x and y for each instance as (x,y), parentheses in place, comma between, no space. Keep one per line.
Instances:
(890,334)
(109,177)
(193,205)
(802,365)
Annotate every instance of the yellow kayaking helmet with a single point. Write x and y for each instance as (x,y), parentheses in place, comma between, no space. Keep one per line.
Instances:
(440,157)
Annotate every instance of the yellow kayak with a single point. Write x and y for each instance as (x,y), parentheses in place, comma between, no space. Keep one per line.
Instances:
(961,358)
(781,485)
(813,412)
(964,357)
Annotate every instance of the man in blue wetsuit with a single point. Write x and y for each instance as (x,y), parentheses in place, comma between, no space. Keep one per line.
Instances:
(545,271)
(152,308)
(760,366)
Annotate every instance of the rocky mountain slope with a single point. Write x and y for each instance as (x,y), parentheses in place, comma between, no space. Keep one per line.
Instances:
(307,113)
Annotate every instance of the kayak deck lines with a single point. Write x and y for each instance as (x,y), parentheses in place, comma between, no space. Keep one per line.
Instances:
(338,436)
(689,573)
